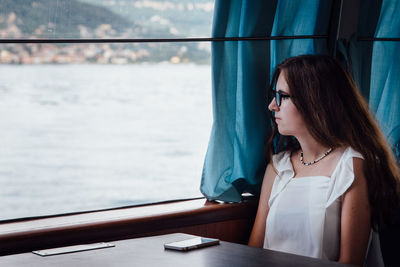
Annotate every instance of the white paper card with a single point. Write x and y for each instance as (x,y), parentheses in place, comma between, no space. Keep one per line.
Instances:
(71,249)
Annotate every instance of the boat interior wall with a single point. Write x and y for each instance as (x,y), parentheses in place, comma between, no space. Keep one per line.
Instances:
(348,19)
(344,21)
(228,222)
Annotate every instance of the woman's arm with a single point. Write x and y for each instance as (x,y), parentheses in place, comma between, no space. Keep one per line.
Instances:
(258,232)
(355,218)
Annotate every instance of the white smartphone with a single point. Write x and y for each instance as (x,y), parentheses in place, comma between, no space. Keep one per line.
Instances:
(192,243)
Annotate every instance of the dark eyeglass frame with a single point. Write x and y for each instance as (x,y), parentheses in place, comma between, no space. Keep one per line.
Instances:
(278,97)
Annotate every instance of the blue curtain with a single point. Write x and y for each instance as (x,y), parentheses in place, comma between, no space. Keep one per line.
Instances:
(234,162)
(241,70)
(376,65)
(384,94)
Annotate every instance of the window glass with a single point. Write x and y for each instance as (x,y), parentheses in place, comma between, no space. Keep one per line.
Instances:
(89,126)
(91,136)
(105,18)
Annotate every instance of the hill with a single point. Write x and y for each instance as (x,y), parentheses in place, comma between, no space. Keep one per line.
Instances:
(183,18)
(58,19)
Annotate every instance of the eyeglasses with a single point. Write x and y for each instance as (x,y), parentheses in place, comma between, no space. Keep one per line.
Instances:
(278,96)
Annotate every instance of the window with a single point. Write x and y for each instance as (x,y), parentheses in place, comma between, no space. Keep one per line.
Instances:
(90,122)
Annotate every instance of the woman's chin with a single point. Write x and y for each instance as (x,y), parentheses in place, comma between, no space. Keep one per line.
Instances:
(285,132)
(282,131)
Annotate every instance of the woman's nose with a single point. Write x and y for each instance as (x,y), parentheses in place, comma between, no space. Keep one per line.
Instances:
(273,106)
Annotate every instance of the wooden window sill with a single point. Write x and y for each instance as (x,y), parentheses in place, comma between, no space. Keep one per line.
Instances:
(196,216)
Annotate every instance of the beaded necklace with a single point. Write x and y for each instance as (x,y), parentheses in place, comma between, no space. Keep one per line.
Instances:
(315,161)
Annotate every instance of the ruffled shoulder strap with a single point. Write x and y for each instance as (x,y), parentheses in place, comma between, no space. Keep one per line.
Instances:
(282,164)
(343,176)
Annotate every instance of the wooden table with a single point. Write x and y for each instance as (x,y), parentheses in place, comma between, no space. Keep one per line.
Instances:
(149,251)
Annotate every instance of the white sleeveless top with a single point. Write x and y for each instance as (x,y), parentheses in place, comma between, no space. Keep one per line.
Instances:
(304,215)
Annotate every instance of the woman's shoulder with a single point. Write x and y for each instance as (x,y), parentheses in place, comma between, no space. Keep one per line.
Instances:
(355,161)
(349,167)
(349,159)
(344,155)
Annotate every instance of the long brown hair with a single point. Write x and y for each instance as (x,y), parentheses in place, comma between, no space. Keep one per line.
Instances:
(336,115)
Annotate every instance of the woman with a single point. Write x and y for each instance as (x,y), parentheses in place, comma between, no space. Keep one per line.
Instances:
(335,177)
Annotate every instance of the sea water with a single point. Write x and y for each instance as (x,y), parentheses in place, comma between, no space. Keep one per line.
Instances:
(86,137)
